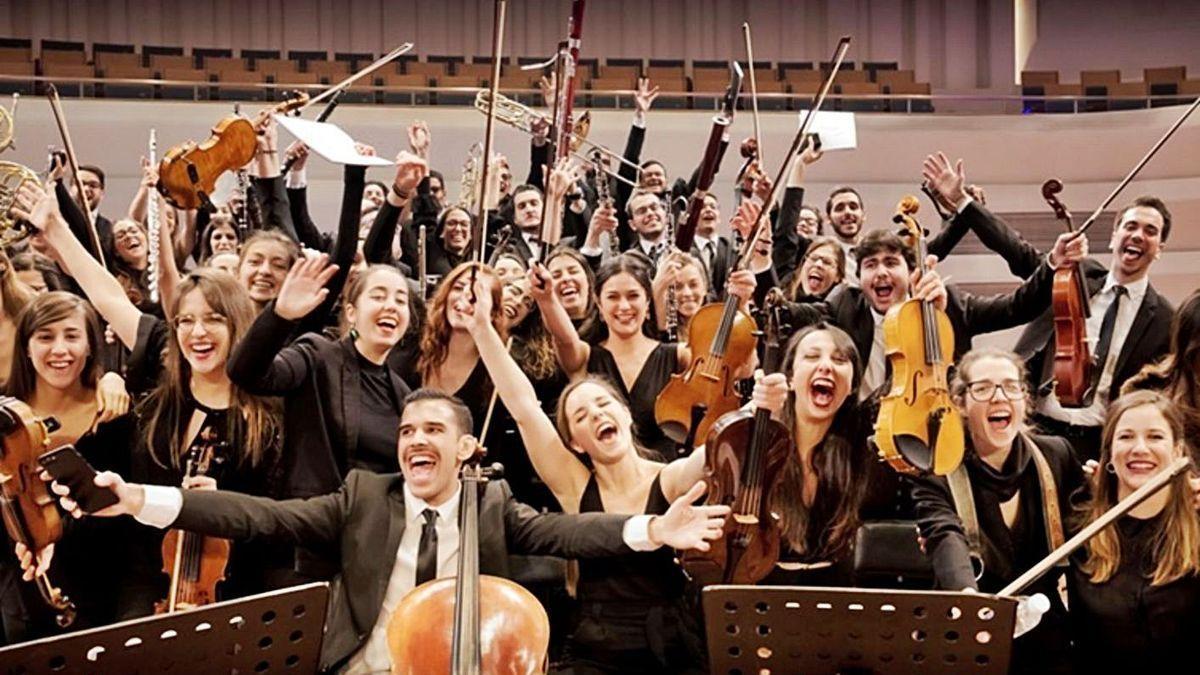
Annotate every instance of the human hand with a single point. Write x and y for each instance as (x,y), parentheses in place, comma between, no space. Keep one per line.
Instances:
(686,526)
(929,286)
(643,96)
(299,151)
(112,400)
(419,139)
(770,391)
(304,289)
(1069,248)
(945,180)
(411,169)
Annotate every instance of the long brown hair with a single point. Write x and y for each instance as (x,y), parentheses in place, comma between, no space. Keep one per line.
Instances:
(254,420)
(1176,373)
(839,255)
(14,294)
(562,423)
(435,335)
(1176,545)
(840,462)
(47,308)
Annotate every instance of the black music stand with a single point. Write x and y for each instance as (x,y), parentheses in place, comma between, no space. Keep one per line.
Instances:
(798,629)
(274,632)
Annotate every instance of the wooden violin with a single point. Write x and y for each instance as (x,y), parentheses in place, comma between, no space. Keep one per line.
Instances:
(919,429)
(746,451)
(188,173)
(1071,307)
(195,563)
(472,623)
(30,512)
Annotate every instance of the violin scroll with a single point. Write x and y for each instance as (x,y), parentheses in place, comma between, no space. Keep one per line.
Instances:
(1050,191)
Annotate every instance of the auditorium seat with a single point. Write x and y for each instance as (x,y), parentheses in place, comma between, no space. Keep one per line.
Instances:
(160,62)
(184,75)
(330,71)
(664,73)
(65,77)
(1037,78)
(766,86)
(394,79)
(124,60)
(1164,82)
(908,88)
(280,69)
(428,69)
(123,68)
(624,82)
(877,68)
(1063,106)
(239,85)
(1127,95)
(668,86)
(224,64)
(850,76)
(457,97)
(483,71)
(73,57)
(858,89)
(616,72)
(889,77)
(16,55)
(1099,78)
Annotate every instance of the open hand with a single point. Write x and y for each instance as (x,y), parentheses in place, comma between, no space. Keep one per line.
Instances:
(643,96)
(686,526)
(304,289)
(411,169)
(419,139)
(945,180)
(38,205)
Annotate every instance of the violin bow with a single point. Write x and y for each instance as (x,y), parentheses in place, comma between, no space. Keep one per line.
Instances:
(478,239)
(1137,168)
(1156,483)
(374,66)
(753,89)
(69,148)
(839,55)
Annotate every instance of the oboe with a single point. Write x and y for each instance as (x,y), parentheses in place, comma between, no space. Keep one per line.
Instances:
(422,278)
(604,199)
(674,210)
(152,225)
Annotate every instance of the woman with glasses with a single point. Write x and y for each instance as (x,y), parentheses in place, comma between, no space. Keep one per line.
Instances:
(1004,508)
(822,267)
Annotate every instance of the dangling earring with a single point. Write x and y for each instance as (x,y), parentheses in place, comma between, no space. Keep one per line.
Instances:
(1110,467)
(353,333)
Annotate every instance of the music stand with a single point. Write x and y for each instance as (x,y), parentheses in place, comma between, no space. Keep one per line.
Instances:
(274,632)
(754,630)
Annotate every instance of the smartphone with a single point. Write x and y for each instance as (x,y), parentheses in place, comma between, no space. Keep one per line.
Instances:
(69,468)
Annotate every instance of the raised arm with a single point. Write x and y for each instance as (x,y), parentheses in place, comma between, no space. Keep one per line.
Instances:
(565,476)
(573,352)
(411,170)
(168,268)
(39,205)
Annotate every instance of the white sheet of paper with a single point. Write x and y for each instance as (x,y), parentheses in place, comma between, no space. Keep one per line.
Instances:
(836,129)
(328,141)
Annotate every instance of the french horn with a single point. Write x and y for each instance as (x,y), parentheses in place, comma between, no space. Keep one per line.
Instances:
(11,177)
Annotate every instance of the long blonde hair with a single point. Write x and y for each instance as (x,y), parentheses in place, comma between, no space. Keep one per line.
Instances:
(254,420)
(1176,544)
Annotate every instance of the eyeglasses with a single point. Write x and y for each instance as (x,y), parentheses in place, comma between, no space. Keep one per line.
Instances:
(985,390)
(824,261)
(187,322)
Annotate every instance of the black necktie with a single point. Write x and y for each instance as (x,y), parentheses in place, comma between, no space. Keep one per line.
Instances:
(427,550)
(1106,334)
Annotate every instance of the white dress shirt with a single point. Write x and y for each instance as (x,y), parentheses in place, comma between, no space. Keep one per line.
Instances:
(162,504)
(534,244)
(708,252)
(876,371)
(1093,415)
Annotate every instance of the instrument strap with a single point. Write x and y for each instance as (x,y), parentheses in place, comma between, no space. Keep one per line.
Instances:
(964,501)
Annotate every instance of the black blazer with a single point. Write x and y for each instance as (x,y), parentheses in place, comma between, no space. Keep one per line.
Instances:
(322,383)
(848,308)
(361,524)
(1149,336)
(723,260)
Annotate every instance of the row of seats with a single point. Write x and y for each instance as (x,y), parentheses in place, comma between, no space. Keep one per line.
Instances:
(1120,95)
(215,73)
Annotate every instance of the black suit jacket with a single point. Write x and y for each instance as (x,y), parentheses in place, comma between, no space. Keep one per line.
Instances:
(723,260)
(1149,336)
(848,308)
(361,524)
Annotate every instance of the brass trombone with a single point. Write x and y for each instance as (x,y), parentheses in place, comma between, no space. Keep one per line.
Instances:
(521,117)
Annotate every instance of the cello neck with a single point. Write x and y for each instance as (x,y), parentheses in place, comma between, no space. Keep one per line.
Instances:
(466,656)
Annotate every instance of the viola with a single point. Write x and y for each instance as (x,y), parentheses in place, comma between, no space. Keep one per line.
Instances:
(30,512)
(919,429)
(746,452)
(471,623)
(1071,307)
(195,563)
(188,173)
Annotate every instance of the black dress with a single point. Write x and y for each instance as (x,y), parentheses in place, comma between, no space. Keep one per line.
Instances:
(1125,625)
(654,375)
(1007,551)
(632,613)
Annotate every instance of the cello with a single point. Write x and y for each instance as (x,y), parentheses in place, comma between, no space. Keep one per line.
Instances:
(746,451)
(919,429)
(472,623)
(30,512)
(1071,307)
(195,563)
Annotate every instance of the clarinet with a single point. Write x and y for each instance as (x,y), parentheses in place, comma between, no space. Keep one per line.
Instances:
(422,279)
(673,213)
(604,198)
(152,225)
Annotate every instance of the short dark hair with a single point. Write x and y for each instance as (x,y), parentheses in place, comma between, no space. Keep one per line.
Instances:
(651,162)
(525,187)
(840,191)
(377,183)
(434,173)
(462,414)
(1148,202)
(877,241)
(94,169)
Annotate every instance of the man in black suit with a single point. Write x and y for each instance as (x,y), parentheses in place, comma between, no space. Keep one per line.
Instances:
(713,250)
(1138,318)
(886,268)
(395,531)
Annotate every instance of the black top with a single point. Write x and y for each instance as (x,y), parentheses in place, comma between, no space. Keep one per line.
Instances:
(654,375)
(1127,625)
(376,449)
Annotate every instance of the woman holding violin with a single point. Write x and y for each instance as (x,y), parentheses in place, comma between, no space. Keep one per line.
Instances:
(56,371)
(1019,486)
(632,619)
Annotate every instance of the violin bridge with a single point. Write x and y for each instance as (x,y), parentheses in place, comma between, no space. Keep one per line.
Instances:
(745,519)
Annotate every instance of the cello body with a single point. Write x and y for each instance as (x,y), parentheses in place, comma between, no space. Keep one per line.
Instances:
(723,339)
(513,643)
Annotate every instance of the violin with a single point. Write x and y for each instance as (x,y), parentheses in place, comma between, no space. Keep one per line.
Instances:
(195,563)
(1071,307)
(30,512)
(471,623)
(188,173)
(919,429)
(746,451)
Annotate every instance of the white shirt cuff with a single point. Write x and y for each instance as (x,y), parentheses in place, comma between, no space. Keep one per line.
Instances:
(636,533)
(639,119)
(591,251)
(161,506)
(297,180)
(963,203)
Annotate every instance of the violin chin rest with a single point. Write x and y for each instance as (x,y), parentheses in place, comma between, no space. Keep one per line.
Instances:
(914,451)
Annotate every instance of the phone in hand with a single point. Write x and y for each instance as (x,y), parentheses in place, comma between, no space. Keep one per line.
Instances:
(69,468)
